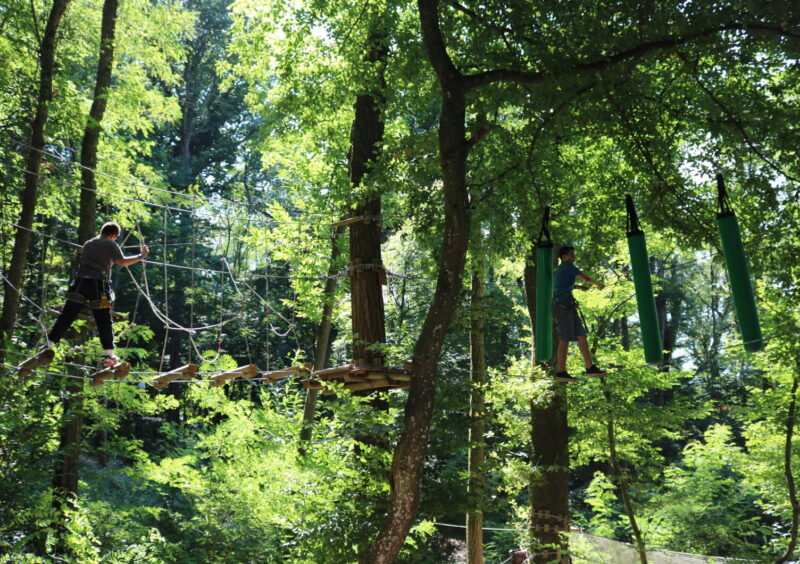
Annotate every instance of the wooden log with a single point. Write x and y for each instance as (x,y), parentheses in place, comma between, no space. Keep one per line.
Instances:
(121,370)
(400,377)
(347,377)
(370,385)
(336,372)
(248,371)
(41,358)
(356,219)
(275,375)
(188,371)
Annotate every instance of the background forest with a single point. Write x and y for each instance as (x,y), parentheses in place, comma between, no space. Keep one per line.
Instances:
(234,139)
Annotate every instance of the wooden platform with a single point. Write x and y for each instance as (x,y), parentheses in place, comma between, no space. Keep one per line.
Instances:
(356,377)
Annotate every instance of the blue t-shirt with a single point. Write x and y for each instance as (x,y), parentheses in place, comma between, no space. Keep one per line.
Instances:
(564,282)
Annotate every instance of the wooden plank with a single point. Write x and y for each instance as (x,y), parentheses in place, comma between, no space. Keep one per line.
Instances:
(347,221)
(248,371)
(188,371)
(347,377)
(275,375)
(326,373)
(120,371)
(41,358)
(371,385)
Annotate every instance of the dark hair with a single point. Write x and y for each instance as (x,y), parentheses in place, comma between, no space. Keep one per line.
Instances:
(109,229)
(564,250)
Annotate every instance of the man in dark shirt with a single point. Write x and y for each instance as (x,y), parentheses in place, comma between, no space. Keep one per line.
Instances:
(92,287)
(568,323)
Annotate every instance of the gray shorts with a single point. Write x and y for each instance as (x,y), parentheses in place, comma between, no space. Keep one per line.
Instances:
(568,323)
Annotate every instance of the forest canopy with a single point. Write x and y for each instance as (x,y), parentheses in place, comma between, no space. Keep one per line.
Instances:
(328,322)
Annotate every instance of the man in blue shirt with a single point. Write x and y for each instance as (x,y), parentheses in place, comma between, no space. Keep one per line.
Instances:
(565,312)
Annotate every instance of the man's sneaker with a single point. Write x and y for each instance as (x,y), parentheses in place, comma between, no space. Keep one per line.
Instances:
(565,377)
(594,371)
(109,361)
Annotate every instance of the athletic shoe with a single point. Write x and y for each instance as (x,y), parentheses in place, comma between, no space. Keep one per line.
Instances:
(594,371)
(565,377)
(109,361)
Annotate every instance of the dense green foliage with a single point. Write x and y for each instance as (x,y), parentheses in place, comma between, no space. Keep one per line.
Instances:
(225,149)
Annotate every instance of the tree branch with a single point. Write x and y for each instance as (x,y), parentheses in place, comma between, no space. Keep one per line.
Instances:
(521,77)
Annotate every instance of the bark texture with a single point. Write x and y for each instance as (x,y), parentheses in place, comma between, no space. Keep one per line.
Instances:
(549,483)
(91,134)
(476,486)
(367,275)
(33,160)
(322,346)
(791,418)
(406,470)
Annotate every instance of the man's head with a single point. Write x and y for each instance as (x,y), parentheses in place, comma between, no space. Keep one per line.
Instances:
(566,253)
(110,230)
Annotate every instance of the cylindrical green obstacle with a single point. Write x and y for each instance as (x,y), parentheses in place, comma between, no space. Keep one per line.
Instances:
(645,300)
(544,293)
(738,273)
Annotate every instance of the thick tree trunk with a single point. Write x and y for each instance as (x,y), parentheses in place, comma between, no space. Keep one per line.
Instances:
(322,346)
(549,483)
(91,134)
(33,160)
(791,417)
(475,489)
(366,267)
(65,480)
(406,471)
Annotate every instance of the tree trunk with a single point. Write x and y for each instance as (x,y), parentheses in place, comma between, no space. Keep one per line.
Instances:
(33,160)
(475,489)
(91,134)
(322,346)
(620,478)
(406,471)
(549,483)
(791,416)
(65,480)
(366,268)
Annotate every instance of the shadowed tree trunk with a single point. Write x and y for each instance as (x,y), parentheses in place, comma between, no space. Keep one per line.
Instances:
(33,160)
(406,470)
(549,483)
(323,343)
(477,402)
(91,134)
(791,418)
(65,479)
(367,275)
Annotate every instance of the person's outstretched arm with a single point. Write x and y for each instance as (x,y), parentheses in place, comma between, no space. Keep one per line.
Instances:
(133,259)
(589,281)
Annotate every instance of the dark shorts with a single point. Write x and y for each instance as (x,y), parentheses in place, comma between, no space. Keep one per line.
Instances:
(568,323)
